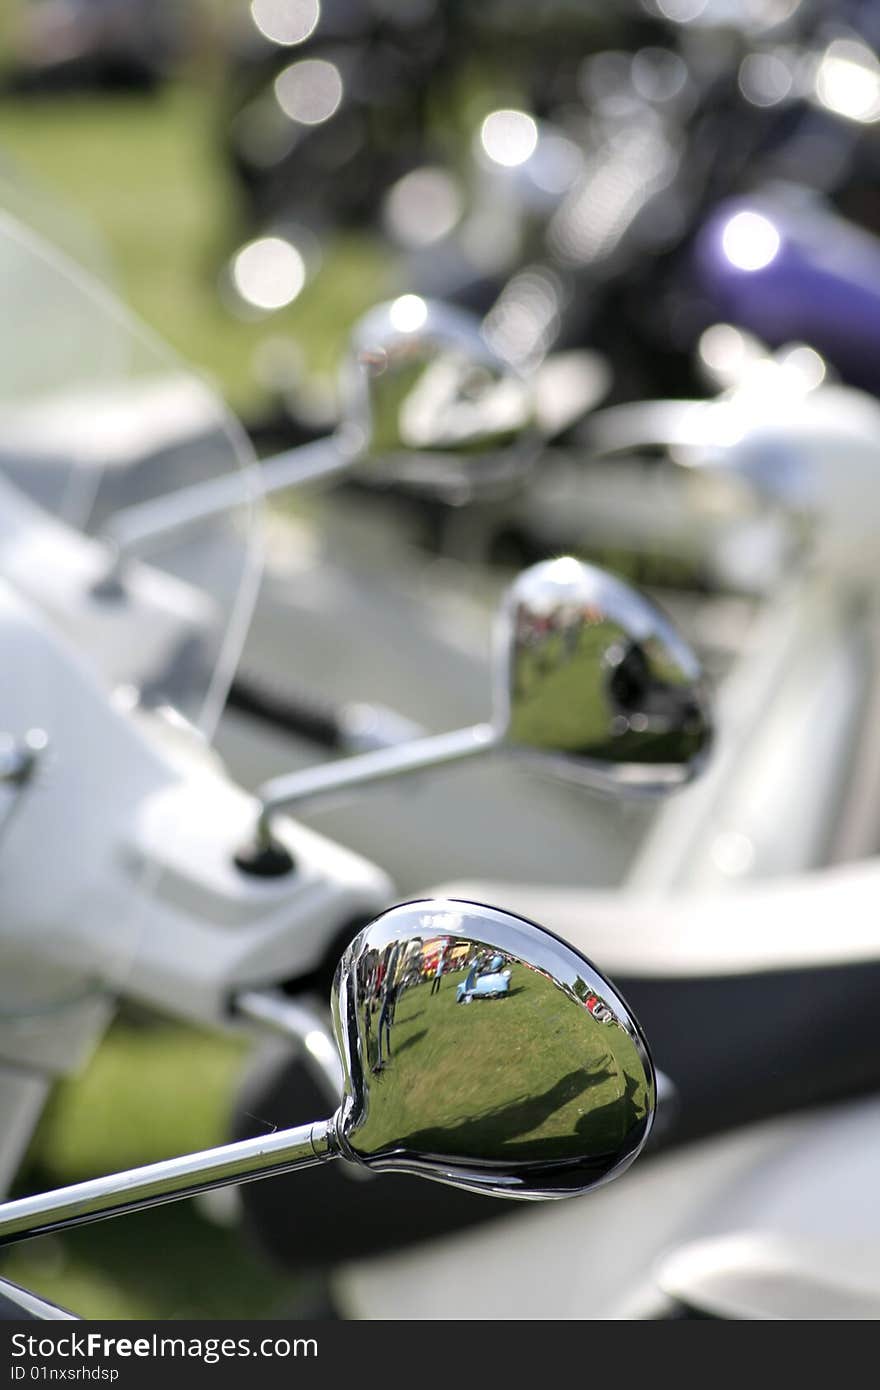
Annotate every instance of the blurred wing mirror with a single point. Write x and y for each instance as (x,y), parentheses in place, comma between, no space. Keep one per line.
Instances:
(438,409)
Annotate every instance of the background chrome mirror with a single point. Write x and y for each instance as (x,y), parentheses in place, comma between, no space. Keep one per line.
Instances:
(592,682)
(424,400)
(478,1049)
(436,406)
(594,679)
(483,1051)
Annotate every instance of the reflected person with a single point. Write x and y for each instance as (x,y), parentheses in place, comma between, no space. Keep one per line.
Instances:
(386,1012)
(438,972)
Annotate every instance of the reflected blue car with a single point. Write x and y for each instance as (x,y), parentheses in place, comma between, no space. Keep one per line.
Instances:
(492,985)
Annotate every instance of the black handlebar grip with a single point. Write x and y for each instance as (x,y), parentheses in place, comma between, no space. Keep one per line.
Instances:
(296,712)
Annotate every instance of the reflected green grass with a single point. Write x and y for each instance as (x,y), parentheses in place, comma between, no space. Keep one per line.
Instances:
(561,690)
(563,700)
(526,1074)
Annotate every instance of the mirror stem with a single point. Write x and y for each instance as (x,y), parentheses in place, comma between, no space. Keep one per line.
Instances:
(134,530)
(350,774)
(301,1024)
(168,1180)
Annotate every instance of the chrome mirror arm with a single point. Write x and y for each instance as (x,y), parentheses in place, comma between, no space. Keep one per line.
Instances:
(301,1024)
(134,531)
(167,1181)
(387,340)
(313,784)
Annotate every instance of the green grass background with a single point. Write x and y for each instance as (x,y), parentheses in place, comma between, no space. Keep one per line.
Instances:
(152,1090)
(148,173)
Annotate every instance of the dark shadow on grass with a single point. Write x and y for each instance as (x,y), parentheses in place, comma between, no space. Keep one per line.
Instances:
(494,1132)
(411,1018)
(623,1113)
(410,1041)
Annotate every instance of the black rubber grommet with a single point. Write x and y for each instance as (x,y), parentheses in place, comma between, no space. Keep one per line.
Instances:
(264,860)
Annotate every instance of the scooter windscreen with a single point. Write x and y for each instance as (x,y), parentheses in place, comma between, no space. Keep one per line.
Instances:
(129,563)
(110,439)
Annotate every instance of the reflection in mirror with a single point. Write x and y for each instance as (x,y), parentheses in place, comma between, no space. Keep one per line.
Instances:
(595,678)
(481,1049)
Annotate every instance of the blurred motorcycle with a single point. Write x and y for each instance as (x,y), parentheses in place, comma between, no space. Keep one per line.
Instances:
(577,218)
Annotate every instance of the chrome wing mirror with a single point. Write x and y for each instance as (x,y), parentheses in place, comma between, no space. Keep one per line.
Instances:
(435,404)
(522,1074)
(595,684)
(424,399)
(592,683)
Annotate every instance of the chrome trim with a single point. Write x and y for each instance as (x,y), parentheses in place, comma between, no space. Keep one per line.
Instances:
(302,1025)
(132,530)
(17,1304)
(594,684)
(167,1181)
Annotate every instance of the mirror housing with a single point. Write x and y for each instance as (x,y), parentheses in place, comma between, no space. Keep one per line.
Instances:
(481,1050)
(438,409)
(595,684)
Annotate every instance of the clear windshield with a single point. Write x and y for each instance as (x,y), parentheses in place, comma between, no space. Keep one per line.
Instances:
(96,417)
(37,207)
(110,659)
